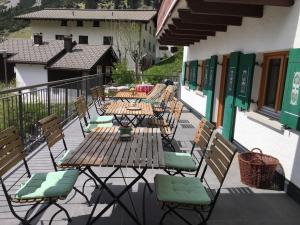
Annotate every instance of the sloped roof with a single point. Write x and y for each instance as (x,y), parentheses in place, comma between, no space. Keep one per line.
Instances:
(84,14)
(82,57)
(25,51)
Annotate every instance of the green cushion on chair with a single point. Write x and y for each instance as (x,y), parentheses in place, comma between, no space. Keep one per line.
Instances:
(61,159)
(102,119)
(182,190)
(46,185)
(180,161)
(92,126)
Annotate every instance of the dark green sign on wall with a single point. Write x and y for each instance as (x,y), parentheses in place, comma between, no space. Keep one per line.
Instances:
(183,68)
(210,78)
(245,80)
(290,112)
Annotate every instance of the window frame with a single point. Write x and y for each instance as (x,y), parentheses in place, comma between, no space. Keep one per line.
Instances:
(64,23)
(110,38)
(96,23)
(83,36)
(79,23)
(273,112)
(59,37)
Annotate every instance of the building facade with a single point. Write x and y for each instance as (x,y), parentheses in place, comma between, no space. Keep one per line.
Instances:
(126,30)
(244,74)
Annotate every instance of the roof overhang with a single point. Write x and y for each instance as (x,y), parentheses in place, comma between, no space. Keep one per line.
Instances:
(184,22)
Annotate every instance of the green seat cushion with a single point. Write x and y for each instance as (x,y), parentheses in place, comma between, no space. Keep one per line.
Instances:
(47,185)
(102,119)
(64,156)
(180,161)
(92,126)
(181,190)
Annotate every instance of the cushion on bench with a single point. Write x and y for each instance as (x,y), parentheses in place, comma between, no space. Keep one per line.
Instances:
(93,126)
(101,119)
(179,160)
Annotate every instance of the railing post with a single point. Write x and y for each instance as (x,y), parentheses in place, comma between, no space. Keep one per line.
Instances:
(21,121)
(49,100)
(66,103)
(86,91)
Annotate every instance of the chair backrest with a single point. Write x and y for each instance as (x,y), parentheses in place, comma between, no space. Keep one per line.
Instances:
(11,149)
(178,112)
(203,133)
(156,92)
(81,107)
(52,129)
(173,105)
(94,93)
(220,155)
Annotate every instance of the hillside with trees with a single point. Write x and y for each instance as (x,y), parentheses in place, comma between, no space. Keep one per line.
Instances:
(8,24)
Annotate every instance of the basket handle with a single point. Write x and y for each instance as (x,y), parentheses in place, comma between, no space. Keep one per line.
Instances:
(261,155)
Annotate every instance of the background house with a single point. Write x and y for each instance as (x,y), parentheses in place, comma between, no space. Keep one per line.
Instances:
(128,31)
(39,61)
(241,71)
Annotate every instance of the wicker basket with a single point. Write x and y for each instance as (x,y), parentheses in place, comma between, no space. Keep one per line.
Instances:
(257,169)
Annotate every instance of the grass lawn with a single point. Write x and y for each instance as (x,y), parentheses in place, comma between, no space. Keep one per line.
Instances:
(24,33)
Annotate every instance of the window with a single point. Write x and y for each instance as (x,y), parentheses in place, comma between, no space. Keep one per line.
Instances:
(153,48)
(99,69)
(163,48)
(144,43)
(96,23)
(64,23)
(145,26)
(149,46)
(150,30)
(108,40)
(79,23)
(201,72)
(83,39)
(272,83)
(59,37)
(108,69)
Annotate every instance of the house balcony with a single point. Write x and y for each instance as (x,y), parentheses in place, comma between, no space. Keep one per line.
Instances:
(238,204)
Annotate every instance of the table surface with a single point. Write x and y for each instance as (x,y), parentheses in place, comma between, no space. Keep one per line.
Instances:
(129,95)
(120,108)
(103,147)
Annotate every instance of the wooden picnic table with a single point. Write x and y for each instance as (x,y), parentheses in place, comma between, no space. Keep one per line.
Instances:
(104,148)
(127,96)
(122,109)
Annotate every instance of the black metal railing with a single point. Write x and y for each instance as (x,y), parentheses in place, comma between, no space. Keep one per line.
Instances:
(24,107)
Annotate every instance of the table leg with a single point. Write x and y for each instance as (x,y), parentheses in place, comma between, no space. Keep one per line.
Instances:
(115,197)
(144,179)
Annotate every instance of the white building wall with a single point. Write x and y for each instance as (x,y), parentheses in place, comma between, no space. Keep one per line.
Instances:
(278,30)
(50,28)
(27,74)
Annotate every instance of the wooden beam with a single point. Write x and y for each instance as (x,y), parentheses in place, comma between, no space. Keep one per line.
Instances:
(186,37)
(181,25)
(173,30)
(177,43)
(229,9)
(257,2)
(189,17)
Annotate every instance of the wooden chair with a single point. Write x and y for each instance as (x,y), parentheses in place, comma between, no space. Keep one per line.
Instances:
(53,132)
(168,132)
(179,162)
(193,193)
(154,122)
(160,107)
(98,97)
(88,125)
(155,94)
(40,189)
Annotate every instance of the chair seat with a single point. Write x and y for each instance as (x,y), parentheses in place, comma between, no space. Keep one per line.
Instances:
(65,155)
(101,119)
(158,122)
(48,185)
(181,190)
(180,161)
(93,126)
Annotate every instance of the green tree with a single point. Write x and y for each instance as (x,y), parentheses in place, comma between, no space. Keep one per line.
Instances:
(91,4)
(121,75)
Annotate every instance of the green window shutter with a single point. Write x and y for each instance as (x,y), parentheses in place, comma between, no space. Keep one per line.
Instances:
(290,112)
(206,75)
(210,87)
(244,83)
(229,108)
(193,74)
(183,68)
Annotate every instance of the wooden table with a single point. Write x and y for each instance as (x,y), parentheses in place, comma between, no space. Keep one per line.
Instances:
(127,96)
(137,116)
(104,148)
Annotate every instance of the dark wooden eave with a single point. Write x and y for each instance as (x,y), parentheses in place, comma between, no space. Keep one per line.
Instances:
(201,18)
(257,2)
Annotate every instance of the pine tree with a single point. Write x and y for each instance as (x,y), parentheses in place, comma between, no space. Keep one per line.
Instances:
(91,4)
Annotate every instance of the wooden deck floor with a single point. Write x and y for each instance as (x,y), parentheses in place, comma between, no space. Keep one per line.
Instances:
(237,205)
